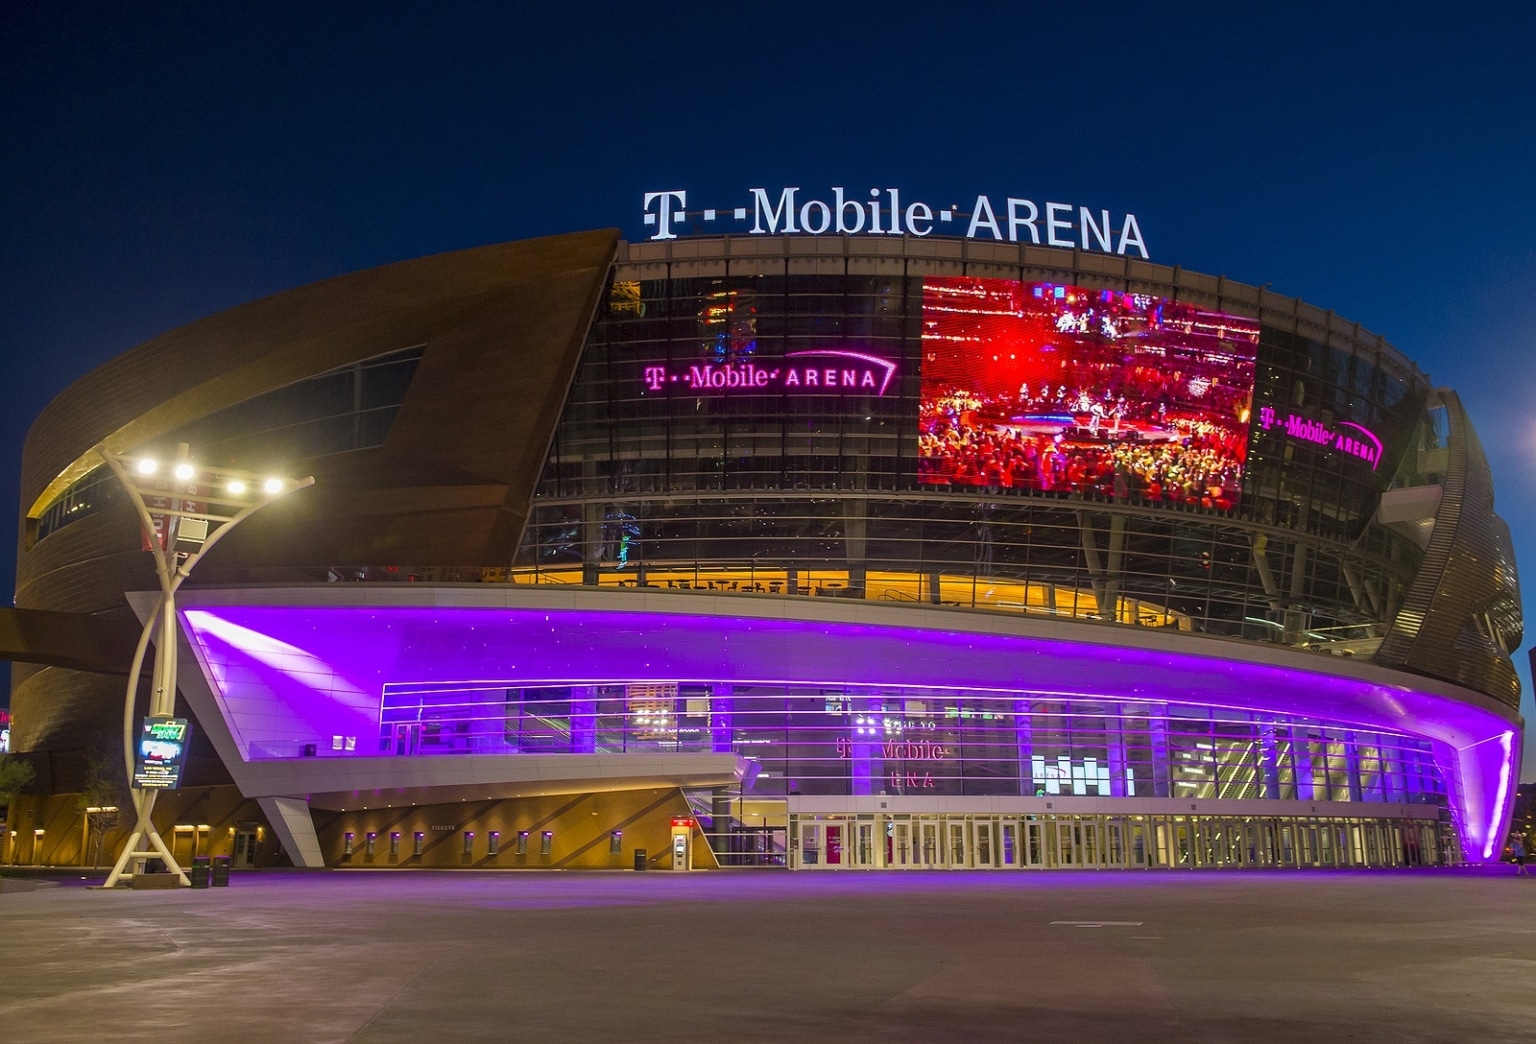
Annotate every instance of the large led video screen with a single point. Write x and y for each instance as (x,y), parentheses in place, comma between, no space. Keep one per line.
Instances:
(1039,386)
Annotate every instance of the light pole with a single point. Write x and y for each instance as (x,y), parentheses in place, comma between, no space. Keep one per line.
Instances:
(195,506)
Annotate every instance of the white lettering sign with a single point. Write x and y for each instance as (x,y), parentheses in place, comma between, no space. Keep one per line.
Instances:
(791,211)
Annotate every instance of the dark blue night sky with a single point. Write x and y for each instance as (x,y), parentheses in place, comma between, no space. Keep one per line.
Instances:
(160,163)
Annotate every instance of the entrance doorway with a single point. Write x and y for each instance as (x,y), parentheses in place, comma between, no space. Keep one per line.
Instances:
(900,846)
(245,847)
(983,847)
(834,849)
(955,853)
(407,739)
(1034,844)
(929,854)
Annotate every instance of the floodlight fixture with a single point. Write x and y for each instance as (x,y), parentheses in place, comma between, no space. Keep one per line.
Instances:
(148,466)
(184,472)
(272,487)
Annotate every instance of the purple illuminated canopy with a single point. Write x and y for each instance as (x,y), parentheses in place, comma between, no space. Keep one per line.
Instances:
(302,673)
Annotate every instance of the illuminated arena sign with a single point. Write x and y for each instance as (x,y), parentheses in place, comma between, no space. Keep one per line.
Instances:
(1011,219)
(824,371)
(1357,441)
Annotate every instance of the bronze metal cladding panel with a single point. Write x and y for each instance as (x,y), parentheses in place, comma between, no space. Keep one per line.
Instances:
(453,481)
(503,328)
(59,711)
(235,355)
(1461,616)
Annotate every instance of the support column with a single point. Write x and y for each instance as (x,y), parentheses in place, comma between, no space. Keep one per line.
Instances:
(1104,571)
(591,541)
(584,719)
(1114,566)
(1024,736)
(1297,620)
(722,835)
(855,544)
(1158,728)
(1114,741)
(1269,753)
(295,828)
(865,739)
(1352,766)
(1301,753)
(722,719)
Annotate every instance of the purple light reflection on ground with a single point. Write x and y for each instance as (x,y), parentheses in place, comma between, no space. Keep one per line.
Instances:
(321,660)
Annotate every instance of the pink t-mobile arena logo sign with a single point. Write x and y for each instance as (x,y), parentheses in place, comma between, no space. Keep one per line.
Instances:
(821,370)
(1356,441)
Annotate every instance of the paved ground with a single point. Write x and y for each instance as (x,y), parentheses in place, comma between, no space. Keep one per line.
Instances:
(423,957)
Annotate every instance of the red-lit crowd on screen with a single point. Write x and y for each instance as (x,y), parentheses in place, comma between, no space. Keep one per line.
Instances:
(1124,443)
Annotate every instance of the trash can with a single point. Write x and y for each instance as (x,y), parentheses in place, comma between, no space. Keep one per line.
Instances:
(199,872)
(221,871)
(640,859)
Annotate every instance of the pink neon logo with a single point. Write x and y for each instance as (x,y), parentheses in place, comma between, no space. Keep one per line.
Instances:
(867,374)
(1368,448)
(900,750)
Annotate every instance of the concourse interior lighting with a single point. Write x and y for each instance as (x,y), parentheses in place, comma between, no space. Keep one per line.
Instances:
(148,466)
(184,472)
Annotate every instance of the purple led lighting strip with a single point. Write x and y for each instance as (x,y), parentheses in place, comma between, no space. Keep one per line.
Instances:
(322,670)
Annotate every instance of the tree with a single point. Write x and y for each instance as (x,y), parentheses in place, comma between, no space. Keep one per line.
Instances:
(15,776)
(104,794)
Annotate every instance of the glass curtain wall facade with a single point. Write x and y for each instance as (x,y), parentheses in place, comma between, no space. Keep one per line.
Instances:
(656,477)
(862,741)
(822,491)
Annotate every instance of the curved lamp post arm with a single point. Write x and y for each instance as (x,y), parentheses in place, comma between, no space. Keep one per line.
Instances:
(162,565)
(133,684)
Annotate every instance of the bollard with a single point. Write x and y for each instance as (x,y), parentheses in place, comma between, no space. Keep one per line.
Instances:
(199,872)
(221,871)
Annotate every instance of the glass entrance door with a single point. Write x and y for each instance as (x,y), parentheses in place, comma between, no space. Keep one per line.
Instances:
(929,854)
(1138,848)
(956,854)
(834,849)
(1183,844)
(863,853)
(901,849)
(245,848)
(1034,844)
(1114,844)
(1066,844)
(810,845)
(983,849)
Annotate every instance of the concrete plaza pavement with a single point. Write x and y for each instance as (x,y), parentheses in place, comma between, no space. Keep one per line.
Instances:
(771,956)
